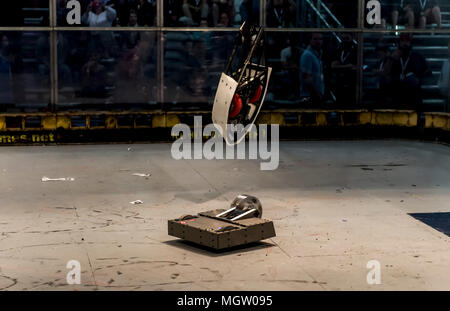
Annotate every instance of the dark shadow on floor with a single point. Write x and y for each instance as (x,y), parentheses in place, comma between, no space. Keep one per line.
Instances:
(207,251)
(438,221)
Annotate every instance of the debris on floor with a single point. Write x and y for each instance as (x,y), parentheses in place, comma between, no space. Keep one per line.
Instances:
(137,202)
(45,179)
(141,175)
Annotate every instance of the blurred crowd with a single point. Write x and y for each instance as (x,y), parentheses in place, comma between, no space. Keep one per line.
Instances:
(121,66)
(321,70)
(203,13)
(208,13)
(410,13)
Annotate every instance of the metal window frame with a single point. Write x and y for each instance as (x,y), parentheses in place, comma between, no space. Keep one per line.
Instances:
(53,30)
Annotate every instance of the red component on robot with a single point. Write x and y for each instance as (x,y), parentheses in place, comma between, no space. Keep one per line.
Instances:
(237,106)
(256,96)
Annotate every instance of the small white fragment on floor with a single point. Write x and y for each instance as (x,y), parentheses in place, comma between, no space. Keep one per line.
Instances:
(141,175)
(129,149)
(45,178)
(137,202)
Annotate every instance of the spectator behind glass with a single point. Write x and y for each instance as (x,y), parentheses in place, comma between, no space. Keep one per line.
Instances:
(133,19)
(382,71)
(405,15)
(389,12)
(99,15)
(408,70)
(224,20)
(172,12)
(281,13)
(421,13)
(146,12)
(196,10)
(219,7)
(312,83)
(344,67)
(131,38)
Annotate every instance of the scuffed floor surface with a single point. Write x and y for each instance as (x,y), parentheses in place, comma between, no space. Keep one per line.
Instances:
(336,205)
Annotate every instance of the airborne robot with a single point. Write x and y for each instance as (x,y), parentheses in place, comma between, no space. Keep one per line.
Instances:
(242,86)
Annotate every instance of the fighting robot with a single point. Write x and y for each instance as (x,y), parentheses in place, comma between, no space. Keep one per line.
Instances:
(242,86)
(220,229)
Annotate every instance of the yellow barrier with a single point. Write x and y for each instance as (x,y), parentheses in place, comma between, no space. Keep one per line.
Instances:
(289,117)
(2,123)
(437,120)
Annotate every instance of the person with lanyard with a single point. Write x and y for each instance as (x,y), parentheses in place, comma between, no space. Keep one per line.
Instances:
(408,70)
(281,13)
(382,72)
(344,68)
(424,12)
(312,82)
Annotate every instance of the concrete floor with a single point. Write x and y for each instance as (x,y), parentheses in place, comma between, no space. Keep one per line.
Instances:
(332,215)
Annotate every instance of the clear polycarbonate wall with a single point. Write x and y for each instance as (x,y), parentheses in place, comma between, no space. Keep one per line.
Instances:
(141,55)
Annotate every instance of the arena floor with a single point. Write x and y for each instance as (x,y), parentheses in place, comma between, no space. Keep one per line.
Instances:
(335,204)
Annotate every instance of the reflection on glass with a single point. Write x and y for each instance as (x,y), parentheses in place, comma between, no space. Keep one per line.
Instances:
(406,71)
(312,69)
(24,81)
(210,13)
(418,14)
(111,13)
(344,67)
(311,13)
(193,62)
(25,13)
(107,70)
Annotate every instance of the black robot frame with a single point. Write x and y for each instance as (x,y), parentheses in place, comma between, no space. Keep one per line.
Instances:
(251,74)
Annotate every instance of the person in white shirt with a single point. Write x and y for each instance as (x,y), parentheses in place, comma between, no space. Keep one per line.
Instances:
(99,15)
